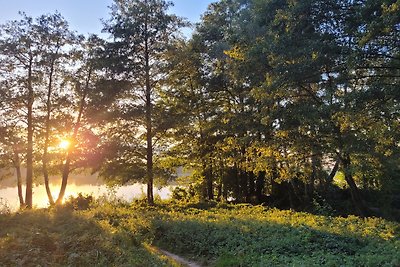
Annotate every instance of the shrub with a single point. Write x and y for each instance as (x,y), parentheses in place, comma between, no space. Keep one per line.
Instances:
(179,194)
(80,202)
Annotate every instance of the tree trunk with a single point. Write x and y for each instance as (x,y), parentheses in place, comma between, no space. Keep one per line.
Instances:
(274,176)
(29,153)
(219,191)
(251,186)
(260,183)
(236,186)
(66,169)
(149,129)
(225,185)
(358,201)
(46,177)
(64,180)
(220,182)
(333,172)
(210,189)
(309,186)
(17,166)
(47,135)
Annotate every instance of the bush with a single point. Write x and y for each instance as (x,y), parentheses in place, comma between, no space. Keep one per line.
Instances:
(179,194)
(80,202)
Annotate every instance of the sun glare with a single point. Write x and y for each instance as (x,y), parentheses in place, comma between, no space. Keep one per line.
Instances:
(64,144)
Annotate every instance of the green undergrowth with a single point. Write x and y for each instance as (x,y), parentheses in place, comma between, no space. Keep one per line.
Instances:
(213,235)
(255,236)
(243,235)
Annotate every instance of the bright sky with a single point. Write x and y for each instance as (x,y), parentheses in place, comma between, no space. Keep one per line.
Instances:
(84,15)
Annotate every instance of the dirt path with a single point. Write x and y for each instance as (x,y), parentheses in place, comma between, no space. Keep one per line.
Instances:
(179,259)
(174,258)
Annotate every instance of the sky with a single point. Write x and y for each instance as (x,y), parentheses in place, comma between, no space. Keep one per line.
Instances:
(84,15)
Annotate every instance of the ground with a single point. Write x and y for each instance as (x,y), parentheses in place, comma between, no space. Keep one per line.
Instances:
(118,234)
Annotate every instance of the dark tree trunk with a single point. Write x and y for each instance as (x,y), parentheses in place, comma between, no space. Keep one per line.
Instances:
(260,183)
(209,179)
(17,166)
(29,153)
(221,180)
(66,168)
(64,180)
(333,172)
(296,192)
(219,191)
(46,177)
(236,186)
(149,129)
(251,186)
(225,186)
(274,185)
(310,185)
(243,185)
(315,170)
(291,194)
(358,201)
(47,135)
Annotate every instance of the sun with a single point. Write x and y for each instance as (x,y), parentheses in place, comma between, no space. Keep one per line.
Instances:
(64,144)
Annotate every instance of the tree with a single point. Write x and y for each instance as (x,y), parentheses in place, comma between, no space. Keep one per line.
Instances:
(21,49)
(289,81)
(82,139)
(42,75)
(142,31)
(193,108)
(56,39)
(11,149)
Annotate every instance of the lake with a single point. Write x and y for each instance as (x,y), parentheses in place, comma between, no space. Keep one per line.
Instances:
(86,184)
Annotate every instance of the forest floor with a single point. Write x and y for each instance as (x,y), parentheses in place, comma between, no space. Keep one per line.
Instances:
(115,234)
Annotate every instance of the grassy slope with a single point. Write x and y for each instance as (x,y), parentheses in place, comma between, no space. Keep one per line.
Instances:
(65,238)
(112,235)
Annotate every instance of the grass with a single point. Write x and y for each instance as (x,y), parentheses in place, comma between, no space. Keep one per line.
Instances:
(254,236)
(65,238)
(222,235)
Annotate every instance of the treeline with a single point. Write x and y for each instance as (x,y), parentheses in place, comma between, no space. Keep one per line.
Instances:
(281,97)
(290,103)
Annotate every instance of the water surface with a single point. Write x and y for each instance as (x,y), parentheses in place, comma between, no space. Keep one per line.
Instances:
(86,184)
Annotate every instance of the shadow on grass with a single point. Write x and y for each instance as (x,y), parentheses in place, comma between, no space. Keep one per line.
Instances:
(65,238)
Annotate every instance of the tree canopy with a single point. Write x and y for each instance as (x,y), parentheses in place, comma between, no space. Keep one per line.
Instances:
(293,104)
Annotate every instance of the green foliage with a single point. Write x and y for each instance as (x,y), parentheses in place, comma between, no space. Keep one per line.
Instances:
(253,236)
(274,92)
(80,202)
(271,101)
(179,194)
(136,132)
